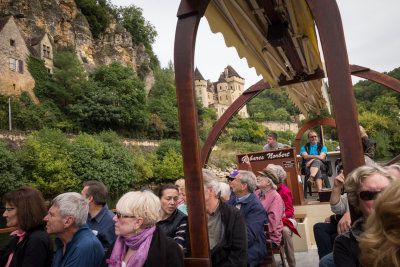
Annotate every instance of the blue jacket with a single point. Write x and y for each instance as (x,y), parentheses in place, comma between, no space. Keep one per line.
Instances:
(83,250)
(256,217)
(103,226)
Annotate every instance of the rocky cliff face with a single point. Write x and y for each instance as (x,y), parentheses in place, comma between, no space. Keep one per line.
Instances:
(67,26)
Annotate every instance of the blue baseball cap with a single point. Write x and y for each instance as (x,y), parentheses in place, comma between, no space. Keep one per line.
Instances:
(233,174)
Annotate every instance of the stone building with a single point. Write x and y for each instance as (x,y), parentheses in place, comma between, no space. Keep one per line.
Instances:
(42,47)
(221,94)
(15,77)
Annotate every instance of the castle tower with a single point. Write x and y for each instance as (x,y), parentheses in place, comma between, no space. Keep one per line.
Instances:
(200,85)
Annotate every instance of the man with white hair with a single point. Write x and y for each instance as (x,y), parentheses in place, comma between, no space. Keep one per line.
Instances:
(247,202)
(75,242)
(225,190)
(226,227)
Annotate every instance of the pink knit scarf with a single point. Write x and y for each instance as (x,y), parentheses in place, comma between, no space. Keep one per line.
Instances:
(139,242)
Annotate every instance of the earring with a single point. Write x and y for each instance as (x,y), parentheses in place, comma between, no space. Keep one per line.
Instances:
(136,232)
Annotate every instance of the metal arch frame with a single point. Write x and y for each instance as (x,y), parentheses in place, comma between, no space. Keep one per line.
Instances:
(327,17)
(254,90)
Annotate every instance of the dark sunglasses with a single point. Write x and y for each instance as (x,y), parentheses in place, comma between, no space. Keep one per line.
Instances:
(230,179)
(119,215)
(369,195)
(314,136)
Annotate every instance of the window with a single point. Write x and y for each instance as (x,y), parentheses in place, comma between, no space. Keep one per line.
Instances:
(13,64)
(20,66)
(226,97)
(12,42)
(46,51)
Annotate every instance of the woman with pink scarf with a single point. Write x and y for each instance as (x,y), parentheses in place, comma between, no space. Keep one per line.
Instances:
(139,241)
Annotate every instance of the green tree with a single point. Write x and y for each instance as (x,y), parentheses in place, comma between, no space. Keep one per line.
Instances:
(170,167)
(69,81)
(163,101)
(132,19)
(47,162)
(96,13)
(10,171)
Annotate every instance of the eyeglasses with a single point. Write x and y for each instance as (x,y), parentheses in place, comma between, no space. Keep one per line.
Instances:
(230,179)
(369,195)
(119,215)
(8,209)
(314,136)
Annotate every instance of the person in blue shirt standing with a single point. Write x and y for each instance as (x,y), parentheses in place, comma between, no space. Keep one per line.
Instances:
(314,153)
(75,242)
(243,185)
(100,218)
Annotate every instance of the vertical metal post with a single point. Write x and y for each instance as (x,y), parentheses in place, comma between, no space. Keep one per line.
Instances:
(9,114)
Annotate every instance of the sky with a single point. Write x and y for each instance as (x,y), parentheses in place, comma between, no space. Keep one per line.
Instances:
(369,26)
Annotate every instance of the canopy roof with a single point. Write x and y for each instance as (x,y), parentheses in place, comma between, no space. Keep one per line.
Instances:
(279,43)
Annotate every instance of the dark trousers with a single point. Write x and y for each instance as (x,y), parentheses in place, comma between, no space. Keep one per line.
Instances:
(325,234)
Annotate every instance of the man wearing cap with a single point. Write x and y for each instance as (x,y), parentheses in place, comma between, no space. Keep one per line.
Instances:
(243,185)
(272,143)
(267,183)
(230,178)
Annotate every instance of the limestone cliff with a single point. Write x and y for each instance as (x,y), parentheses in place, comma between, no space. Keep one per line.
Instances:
(67,26)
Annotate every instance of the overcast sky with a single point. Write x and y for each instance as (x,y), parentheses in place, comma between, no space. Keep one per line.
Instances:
(369,27)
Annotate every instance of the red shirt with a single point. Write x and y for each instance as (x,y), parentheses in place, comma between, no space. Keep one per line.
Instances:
(286,195)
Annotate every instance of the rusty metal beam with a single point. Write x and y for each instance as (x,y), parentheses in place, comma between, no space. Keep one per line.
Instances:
(329,23)
(189,15)
(375,76)
(393,161)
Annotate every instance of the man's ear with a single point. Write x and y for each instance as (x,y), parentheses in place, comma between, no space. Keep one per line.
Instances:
(69,221)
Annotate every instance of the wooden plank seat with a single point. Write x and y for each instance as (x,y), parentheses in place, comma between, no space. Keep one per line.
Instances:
(271,250)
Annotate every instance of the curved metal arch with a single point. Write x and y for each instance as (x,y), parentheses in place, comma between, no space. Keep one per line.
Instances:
(215,132)
(310,124)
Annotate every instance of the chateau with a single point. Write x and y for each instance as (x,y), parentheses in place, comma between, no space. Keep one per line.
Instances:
(221,94)
(15,48)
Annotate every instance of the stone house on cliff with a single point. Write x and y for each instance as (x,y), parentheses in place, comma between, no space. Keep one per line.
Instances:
(14,50)
(221,94)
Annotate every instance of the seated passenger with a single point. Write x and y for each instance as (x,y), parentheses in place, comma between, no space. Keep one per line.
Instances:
(24,209)
(289,223)
(225,191)
(243,185)
(314,152)
(140,242)
(272,143)
(380,242)
(75,242)
(362,186)
(227,233)
(181,205)
(173,222)
(100,218)
(272,202)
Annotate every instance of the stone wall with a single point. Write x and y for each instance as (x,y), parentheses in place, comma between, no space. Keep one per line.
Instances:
(281,126)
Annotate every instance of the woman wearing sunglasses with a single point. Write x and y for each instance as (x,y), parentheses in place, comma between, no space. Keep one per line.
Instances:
(362,185)
(139,241)
(32,245)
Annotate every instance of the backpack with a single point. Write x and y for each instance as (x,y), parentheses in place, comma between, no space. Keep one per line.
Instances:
(327,163)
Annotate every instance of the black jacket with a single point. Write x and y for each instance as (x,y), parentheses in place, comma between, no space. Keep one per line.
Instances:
(36,249)
(163,251)
(232,249)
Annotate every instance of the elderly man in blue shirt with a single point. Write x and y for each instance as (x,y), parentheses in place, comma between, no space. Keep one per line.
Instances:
(314,152)
(100,218)
(75,242)
(243,185)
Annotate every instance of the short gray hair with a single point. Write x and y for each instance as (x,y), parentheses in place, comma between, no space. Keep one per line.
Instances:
(247,177)
(225,190)
(279,171)
(72,204)
(211,180)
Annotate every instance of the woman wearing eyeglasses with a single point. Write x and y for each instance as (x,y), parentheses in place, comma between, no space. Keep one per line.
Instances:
(31,246)
(362,185)
(139,241)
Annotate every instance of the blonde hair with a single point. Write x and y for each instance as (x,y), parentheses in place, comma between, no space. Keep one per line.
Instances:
(357,177)
(142,204)
(180,183)
(363,133)
(380,243)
